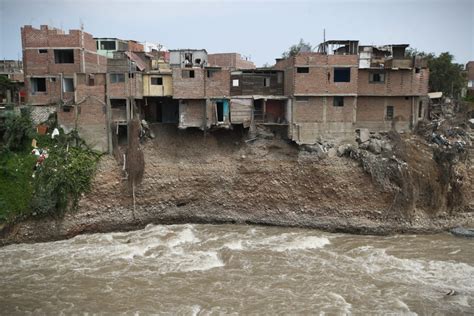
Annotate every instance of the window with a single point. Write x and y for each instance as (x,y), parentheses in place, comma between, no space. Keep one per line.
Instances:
(91,80)
(420,109)
(188,74)
(188,59)
(68,85)
(301,99)
(42,51)
(266,82)
(197,61)
(338,101)
(470,83)
(389,113)
(417,70)
(64,56)
(107,45)
(211,72)
(115,78)
(38,85)
(131,75)
(376,77)
(302,70)
(157,81)
(235,82)
(342,74)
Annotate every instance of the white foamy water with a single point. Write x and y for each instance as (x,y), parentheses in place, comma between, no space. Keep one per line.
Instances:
(206,269)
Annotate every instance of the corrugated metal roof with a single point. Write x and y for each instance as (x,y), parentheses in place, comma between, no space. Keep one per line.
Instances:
(138,61)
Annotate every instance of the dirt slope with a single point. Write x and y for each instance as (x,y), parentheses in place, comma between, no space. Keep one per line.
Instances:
(218,177)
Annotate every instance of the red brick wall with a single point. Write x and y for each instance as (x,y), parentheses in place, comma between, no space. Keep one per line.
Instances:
(132,87)
(192,113)
(41,64)
(373,108)
(308,111)
(340,113)
(320,79)
(189,88)
(229,60)
(218,85)
(397,83)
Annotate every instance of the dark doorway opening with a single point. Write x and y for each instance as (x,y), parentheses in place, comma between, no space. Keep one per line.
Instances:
(258,112)
(220,111)
(161,110)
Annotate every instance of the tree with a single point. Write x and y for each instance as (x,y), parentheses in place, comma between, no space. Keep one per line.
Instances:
(445,75)
(301,47)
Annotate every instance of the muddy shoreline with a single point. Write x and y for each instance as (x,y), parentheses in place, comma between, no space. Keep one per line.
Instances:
(47,229)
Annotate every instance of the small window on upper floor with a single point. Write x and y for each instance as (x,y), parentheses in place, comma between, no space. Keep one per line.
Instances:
(376,77)
(68,85)
(266,82)
(42,51)
(235,82)
(187,74)
(64,56)
(302,70)
(338,101)
(116,78)
(108,45)
(157,81)
(342,74)
(211,72)
(38,85)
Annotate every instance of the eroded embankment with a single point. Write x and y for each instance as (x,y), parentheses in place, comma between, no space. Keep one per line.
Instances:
(220,178)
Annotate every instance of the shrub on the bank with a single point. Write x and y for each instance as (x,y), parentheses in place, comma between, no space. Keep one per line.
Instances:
(63,177)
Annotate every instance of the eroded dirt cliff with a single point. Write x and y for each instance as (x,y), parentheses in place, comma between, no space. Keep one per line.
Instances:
(219,177)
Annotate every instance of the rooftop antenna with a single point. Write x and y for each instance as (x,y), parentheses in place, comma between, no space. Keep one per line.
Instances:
(324,41)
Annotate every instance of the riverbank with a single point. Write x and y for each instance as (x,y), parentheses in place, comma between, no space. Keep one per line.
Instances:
(220,178)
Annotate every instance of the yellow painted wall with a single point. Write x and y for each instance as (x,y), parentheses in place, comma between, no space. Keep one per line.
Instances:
(157,91)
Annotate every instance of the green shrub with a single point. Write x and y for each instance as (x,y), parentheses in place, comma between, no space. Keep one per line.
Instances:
(63,176)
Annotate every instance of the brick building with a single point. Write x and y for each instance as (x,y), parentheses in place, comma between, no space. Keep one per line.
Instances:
(344,86)
(325,94)
(51,57)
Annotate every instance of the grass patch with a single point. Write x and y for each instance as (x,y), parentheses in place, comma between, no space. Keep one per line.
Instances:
(16,169)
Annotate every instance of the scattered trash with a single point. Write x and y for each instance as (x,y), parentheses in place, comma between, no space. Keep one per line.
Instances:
(55,133)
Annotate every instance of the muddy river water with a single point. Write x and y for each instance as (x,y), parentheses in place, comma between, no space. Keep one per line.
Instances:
(222,269)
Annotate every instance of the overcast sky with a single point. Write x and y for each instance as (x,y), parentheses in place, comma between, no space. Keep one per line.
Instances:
(259,29)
